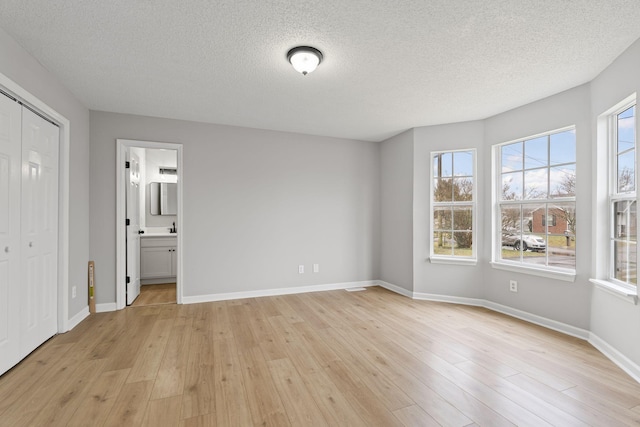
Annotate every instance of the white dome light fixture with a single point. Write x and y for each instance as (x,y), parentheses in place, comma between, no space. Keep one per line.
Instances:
(304,59)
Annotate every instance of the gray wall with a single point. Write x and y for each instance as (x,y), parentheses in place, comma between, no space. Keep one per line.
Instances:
(396,259)
(614,319)
(256,204)
(24,70)
(554,299)
(430,278)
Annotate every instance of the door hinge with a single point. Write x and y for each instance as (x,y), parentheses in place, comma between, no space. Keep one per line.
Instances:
(128,279)
(127,165)
(128,222)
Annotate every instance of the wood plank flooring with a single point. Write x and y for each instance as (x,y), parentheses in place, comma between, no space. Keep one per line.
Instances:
(156,294)
(369,358)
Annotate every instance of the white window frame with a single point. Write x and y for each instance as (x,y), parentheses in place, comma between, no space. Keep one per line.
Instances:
(553,272)
(606,195)
(454,259)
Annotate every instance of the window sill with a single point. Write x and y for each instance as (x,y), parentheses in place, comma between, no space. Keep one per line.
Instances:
(452,260)
(567,276)
(622,292)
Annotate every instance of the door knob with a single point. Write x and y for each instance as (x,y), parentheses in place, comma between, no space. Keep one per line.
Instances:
(6,249)
(30,244)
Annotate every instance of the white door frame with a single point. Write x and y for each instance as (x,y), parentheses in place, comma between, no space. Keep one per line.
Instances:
(121,266)
(26,97)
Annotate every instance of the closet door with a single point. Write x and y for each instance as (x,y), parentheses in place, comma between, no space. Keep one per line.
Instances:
(39,226)
(10,153)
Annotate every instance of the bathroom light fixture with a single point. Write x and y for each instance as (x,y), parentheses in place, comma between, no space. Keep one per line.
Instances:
(304,59)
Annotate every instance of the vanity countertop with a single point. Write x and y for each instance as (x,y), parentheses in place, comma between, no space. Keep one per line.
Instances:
(165,234)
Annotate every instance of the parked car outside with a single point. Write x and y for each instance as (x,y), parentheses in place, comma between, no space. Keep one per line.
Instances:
(527,241)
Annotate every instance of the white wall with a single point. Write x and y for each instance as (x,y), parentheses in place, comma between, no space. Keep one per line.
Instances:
(396,259)
(256,205)
(23,69)
(614,319)
(461,280)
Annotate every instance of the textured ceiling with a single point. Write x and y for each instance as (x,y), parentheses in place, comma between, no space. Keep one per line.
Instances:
(389,64)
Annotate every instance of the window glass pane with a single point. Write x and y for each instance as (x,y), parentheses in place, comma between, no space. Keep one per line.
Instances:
(563,181)
(624,221)
(462,189)
(624,259)
(512,186)
(510,222)
(626,129)
(511,159)
(463,243)
(462,218)
(463,163)
(442,190)
(442,218)
(536,153)
(442,243)
(535,184)
(446,167)
(561,239)
(626,171)
(563,147)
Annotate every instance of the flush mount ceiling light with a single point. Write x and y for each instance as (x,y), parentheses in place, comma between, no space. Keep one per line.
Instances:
(304,59)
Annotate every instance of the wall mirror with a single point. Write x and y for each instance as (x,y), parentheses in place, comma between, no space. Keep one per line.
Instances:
(163,198)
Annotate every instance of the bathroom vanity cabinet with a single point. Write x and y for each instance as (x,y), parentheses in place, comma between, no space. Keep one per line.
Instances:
(158,259)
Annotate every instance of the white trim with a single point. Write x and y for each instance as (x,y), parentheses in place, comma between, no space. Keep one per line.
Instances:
(75,320)
(120,215)
(538,320)
(275,292)
(622,292)
(449,299)
(105,307)
(395,288)
(452,260)
(63,193)
(473,203)
(519,314)
(569,276)
(622,361)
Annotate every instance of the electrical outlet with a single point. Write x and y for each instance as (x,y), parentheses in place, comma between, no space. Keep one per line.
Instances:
(301,269)
(316,268)
(513,286)
(73,292)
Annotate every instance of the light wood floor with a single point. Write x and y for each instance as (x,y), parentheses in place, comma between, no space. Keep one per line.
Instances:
(156,294)
(369,358)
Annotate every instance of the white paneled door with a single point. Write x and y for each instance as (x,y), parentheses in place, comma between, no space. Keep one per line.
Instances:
(28,231)
(39,238)
(10,155)
(133,227)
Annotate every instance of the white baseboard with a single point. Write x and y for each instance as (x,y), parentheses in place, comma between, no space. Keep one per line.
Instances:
(275,292)
(395,288)
(523,315)
(75,320)
(450,299)
(538,320)
(108,306)
(615,356)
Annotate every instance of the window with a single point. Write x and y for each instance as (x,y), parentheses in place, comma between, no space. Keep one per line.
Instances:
(453,205)
(552,221)
(536,202)
(622,196)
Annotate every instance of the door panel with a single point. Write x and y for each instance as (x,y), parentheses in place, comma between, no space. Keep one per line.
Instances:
(39,229)
(133,235)
(10,154)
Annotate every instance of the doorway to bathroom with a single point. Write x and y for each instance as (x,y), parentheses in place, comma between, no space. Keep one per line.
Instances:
(149,221)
